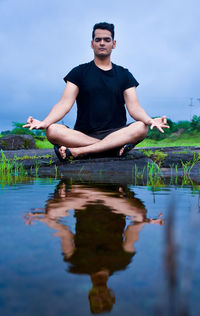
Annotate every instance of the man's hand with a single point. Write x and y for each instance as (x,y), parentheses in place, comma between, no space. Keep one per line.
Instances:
(34,124)
(159,123)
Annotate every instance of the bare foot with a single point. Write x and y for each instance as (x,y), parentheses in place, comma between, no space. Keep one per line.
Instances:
(62,151)
(121,150)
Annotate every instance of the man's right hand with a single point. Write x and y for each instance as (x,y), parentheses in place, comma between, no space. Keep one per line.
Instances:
(34,124)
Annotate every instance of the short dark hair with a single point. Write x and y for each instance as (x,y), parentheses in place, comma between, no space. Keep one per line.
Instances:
(104,26)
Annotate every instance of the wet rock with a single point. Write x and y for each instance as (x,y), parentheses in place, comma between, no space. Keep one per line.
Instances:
(179,162)
(171,157)
(16,142)
(31,153)
(105,170)
(195,172)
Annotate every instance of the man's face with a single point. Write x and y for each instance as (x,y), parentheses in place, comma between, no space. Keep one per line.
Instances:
(102,43)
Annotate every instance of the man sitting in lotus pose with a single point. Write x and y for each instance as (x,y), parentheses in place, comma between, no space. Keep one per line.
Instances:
(101,90)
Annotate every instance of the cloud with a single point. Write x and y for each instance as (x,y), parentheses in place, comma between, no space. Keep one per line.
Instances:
(42,40)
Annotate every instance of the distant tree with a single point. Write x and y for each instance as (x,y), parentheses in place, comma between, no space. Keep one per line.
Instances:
(195,123)
(6,132)
(19,130)
(157,135)
(183,124)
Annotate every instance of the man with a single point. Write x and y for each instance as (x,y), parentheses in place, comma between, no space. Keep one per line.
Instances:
(101,89)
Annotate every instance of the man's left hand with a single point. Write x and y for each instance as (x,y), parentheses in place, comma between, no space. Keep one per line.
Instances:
(159,123)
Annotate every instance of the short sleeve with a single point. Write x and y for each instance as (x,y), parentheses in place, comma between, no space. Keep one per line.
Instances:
(130,81)
(73,76)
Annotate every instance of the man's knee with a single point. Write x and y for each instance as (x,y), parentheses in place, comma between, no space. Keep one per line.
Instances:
(143,129)
(52,132)
(139,130)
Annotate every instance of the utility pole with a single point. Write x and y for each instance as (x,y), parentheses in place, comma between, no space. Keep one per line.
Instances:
(191,105)
(198,99)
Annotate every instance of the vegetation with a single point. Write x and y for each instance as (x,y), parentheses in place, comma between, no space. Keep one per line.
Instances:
(182,133)
(152,175)
(157,156)
(19,130)
(185,139)
(39,135)
(42,142)
(11,171)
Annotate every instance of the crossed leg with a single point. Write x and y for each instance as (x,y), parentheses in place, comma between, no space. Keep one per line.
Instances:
(80,144)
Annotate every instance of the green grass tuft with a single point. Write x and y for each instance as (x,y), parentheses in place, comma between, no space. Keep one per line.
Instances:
(43,143)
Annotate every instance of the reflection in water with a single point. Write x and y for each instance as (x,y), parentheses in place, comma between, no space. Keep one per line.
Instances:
(103,242)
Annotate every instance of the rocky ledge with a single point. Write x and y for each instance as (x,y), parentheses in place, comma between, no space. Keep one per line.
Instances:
(16,142)
(140,165)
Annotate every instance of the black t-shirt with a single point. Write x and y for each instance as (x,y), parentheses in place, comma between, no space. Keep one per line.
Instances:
(100,102)
(98,241)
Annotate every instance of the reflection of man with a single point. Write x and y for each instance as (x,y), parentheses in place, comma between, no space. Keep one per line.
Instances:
(101,90)
(101,244)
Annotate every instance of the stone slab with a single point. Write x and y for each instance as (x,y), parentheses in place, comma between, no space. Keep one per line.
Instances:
(16,142)
(176,164)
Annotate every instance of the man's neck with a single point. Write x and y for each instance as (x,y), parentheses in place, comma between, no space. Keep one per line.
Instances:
(103,63)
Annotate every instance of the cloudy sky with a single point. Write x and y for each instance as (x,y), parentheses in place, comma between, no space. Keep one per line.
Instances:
(41,40)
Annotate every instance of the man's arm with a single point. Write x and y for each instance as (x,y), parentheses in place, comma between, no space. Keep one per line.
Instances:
(58,111)
(139,114)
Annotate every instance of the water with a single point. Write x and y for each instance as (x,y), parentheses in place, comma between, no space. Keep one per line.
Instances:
(79,249)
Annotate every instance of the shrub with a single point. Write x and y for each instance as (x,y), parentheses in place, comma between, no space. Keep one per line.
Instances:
(195,123)
(157,135)
(19,130)
(183,124)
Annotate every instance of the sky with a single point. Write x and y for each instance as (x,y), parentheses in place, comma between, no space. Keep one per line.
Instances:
(42,40)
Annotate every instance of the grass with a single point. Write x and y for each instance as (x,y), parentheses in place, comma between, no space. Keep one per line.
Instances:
(9,168)
(152,176)
(185,139)
(13,171)
(157,156)
(42,143)
(26,157)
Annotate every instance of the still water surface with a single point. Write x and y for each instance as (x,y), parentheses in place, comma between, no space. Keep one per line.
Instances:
(80,249)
